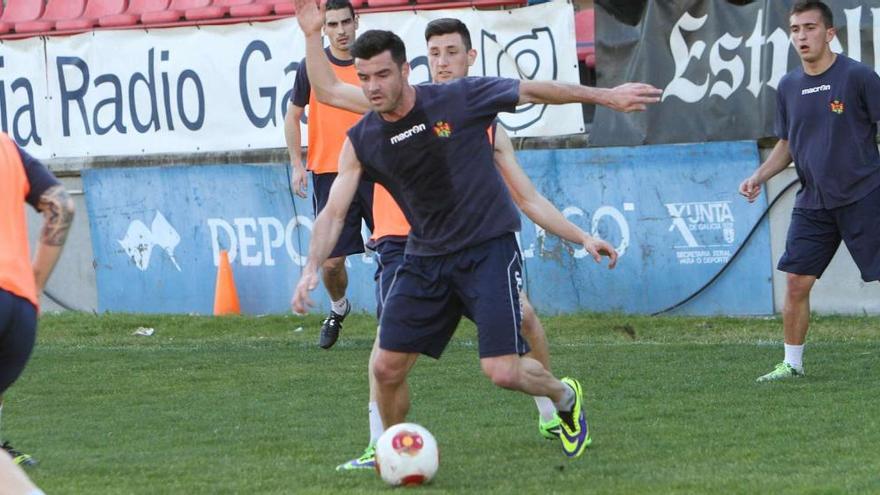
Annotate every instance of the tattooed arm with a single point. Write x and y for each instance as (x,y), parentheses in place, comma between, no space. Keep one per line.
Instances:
(57,209)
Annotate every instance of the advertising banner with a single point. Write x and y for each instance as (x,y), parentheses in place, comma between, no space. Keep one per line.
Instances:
(718,63)
(227,87)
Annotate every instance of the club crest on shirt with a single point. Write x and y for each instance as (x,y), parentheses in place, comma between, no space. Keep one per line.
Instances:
(837,107)
(442,129)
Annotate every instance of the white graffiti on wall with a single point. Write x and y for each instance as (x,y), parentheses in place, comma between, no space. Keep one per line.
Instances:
(728,74)
(704,221)
(259,241)
(139,241)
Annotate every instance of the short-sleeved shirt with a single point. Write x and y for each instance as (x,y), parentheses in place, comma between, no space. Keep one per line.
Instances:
(23,179)
(830,122)
(327,124)
(388,219)
(438,164)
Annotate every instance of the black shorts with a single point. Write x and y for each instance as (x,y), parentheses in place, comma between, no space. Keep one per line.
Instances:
(18,332)
(389,257)
(815,235)
(350,239)
(430,294)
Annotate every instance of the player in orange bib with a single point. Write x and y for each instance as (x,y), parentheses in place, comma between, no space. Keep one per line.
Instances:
(449,55)
(23,179)
(327,127)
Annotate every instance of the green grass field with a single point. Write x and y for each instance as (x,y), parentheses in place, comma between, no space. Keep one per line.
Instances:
(249,405)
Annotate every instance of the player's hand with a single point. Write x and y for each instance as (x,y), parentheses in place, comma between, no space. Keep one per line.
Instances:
(633,97)
(750,188)
(301,301)
(309,16)
(299,181)
(598,248)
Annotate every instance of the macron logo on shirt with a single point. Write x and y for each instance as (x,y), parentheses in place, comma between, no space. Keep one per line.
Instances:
(408,133)
(816,89)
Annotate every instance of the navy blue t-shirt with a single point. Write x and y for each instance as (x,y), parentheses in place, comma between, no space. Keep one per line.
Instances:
(830,122)
(301,85)
(438,164)
(38,176)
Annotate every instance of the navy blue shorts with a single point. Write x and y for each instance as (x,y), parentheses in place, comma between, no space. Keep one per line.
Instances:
(430,294)
(815,235)
(18,331)
(350,239)
(389,257)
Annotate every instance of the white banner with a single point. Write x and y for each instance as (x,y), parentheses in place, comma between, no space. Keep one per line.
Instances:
(224,88)
(23,104)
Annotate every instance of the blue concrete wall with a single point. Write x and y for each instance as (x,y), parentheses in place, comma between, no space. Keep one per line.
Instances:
(673,211)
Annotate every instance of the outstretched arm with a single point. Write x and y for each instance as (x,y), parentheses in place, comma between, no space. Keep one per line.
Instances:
(629,97)
(329,224)
(328,89)
(57,209)
(538,208)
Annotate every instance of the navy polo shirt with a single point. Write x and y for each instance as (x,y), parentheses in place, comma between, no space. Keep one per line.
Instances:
(830,121)
(438,163)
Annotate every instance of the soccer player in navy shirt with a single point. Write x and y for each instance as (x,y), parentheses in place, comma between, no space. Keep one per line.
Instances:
(429,147)
(450,54)
(826,116)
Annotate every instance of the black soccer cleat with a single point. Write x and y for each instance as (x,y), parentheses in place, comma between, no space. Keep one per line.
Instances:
(18,457)
(331,327)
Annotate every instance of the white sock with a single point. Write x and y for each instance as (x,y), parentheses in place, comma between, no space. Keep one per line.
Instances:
(545,408)
(794,355)
(339,307)
(376,428)
(567,402)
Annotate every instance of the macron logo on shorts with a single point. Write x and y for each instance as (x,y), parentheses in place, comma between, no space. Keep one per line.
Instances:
(816,89)
(408,133)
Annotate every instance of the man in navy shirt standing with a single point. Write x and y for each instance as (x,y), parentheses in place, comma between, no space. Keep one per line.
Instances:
(428,146)
(826,122)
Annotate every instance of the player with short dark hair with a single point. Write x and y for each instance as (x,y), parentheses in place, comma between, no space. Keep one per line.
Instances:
(327,126)
(826,121)
(448,25)
(448,59)
(429,147)
(23,179)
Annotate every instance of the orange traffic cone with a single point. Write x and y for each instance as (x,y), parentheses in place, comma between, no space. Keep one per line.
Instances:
(225,296)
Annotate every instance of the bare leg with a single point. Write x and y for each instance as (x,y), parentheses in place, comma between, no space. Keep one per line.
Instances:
(335,277)
(796,312)
(390,370)
(533,332)
(373,353)
(523,374)
(376,425)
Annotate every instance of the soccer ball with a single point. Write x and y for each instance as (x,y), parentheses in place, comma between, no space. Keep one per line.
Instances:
(406,454)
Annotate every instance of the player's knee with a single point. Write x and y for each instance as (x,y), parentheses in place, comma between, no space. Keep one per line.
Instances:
(387,372)
(334,265)
(502,374)
(798,287)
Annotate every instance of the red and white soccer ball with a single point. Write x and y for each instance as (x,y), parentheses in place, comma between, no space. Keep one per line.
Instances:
(406,454)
